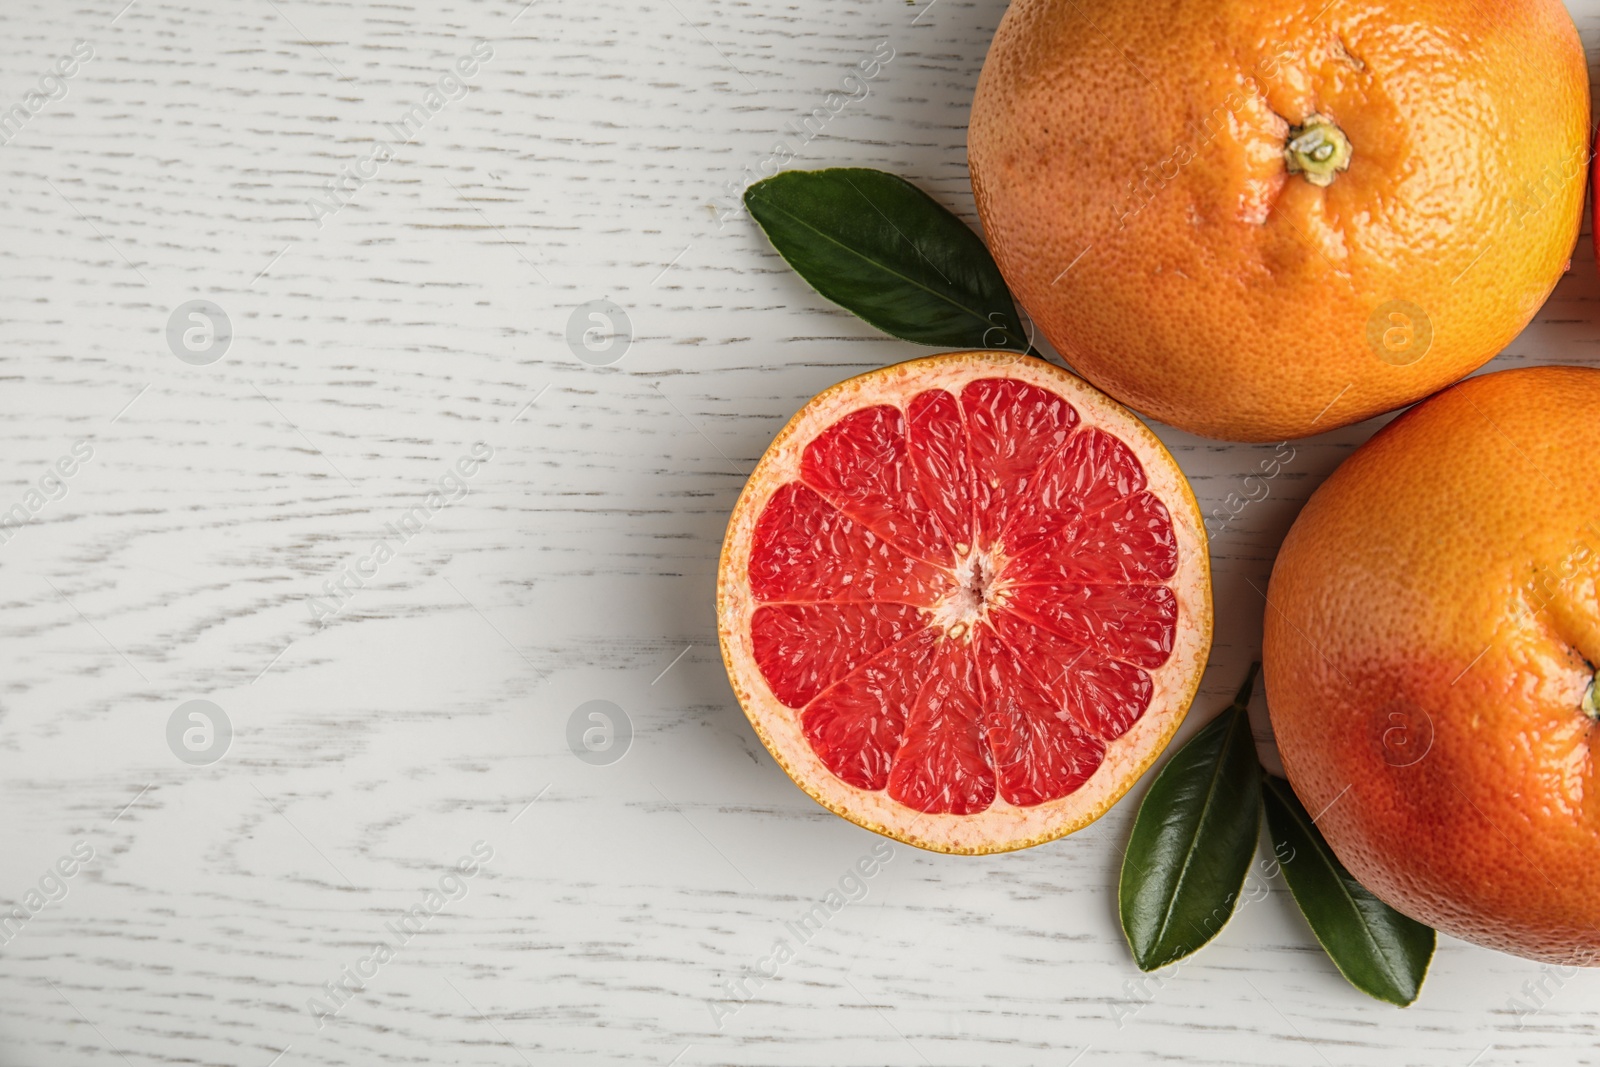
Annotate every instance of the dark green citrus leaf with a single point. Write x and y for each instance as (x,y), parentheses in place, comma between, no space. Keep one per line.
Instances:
(882,248)
(1382,953)
(1192,840)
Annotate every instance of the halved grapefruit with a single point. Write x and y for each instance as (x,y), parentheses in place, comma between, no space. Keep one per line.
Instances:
(965,601)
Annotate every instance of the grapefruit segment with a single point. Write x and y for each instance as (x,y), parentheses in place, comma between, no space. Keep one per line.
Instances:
(855,726)
(1131,542)
(860,464)
(1041,751)
(1105,695)
(1094,471)
(938,446)
(1132,623)
(1013,428)
(801,649)
(965,601)
(808,551)
(942,765)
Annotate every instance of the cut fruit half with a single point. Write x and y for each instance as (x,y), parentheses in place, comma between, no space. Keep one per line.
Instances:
(965,601)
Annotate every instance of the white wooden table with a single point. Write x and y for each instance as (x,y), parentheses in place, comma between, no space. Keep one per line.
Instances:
(381,735)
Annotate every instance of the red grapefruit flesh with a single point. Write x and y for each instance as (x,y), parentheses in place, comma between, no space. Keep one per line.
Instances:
(965,601)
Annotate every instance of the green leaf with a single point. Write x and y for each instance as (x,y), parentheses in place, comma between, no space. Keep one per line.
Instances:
(1192,840)
(882,248)
(1382,953)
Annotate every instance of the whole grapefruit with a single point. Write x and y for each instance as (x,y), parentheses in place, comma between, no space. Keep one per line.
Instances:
(1432,634)
(1260,219)
(965,601)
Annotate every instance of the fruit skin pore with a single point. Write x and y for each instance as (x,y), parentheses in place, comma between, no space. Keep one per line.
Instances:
(1430,637)
(1130,174)
(1002,827)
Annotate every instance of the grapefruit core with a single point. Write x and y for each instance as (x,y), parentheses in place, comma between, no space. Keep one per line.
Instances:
(965,601)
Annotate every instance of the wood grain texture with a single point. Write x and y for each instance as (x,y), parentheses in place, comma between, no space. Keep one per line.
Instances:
(589,158)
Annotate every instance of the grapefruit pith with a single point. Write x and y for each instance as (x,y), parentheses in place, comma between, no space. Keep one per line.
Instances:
(965,601)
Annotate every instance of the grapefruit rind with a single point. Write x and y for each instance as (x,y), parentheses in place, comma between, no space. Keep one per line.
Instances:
(1002,827)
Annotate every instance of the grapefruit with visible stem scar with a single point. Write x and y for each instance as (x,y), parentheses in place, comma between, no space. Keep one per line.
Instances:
(965,601)
(1261,219)
(1431,641)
